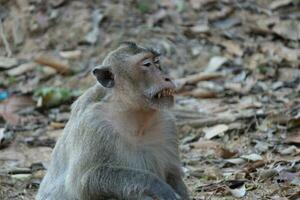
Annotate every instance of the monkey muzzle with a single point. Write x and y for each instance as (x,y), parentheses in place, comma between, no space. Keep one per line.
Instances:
(167,92)
(161,97)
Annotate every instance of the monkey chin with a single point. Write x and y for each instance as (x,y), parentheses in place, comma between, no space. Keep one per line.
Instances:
(160,99)
(161,103)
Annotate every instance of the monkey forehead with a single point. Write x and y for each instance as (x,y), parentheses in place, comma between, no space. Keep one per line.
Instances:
(132,54)
(141,56)
(132,49)
(134,58)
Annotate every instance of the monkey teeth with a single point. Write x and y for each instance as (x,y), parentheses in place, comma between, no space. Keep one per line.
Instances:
(165,93)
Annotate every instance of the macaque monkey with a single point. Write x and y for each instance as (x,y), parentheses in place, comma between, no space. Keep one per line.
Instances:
(120,141)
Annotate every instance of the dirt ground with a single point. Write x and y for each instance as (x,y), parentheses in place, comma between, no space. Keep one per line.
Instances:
(236,65)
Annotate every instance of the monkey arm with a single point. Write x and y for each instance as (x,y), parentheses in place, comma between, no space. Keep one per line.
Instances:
(179,186)
(174,176)
(92,95)
(124,183)
(174,179)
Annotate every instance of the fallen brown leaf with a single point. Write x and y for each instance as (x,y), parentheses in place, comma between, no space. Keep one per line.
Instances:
(293,139)
(58,65)
(252,166)
(212,147)
(9,108)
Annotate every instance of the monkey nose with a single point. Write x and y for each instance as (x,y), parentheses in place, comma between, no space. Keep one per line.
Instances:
(167,79)
(168,82)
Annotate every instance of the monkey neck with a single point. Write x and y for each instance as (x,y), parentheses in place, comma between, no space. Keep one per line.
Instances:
(145,118)
(132,121)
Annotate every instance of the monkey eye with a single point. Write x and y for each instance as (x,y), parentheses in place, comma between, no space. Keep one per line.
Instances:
(156,60)
(157,63)
(147,63)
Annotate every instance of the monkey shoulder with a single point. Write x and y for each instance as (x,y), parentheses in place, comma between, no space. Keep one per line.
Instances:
(94,119)
(92,138)
(93,95)
(87,129)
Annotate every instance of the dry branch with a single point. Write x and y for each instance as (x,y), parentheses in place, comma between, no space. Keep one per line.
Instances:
(58,65)
(200,93)
(221,119)
(3,37)
(16,170)
(195,78)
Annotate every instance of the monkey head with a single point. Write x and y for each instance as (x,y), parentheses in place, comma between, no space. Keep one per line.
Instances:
(135,76)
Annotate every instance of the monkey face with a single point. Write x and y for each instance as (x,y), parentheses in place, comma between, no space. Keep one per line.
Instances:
(135,75)
(156,88)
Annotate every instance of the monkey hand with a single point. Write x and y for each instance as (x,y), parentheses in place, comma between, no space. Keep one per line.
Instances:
(161,191)
(153,198)
(156,198)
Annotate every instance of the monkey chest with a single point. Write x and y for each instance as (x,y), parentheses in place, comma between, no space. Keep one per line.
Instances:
(155,158)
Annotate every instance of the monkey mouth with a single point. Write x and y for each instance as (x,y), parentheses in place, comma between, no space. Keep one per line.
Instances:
(159,98)
(166,92)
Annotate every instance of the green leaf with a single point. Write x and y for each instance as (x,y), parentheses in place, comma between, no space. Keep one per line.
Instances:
(50,96)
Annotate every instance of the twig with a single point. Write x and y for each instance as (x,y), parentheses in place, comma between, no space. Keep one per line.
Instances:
(16,170)
(3,37)
(199,93)
(53,63)
(186,114)
(192,79)
(223,119)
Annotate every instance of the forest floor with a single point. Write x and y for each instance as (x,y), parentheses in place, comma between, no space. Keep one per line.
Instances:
(236,64)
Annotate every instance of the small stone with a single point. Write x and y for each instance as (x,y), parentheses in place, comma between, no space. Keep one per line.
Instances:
(7,63)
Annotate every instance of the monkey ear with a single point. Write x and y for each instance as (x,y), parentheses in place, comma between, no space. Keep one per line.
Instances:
(104,76)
